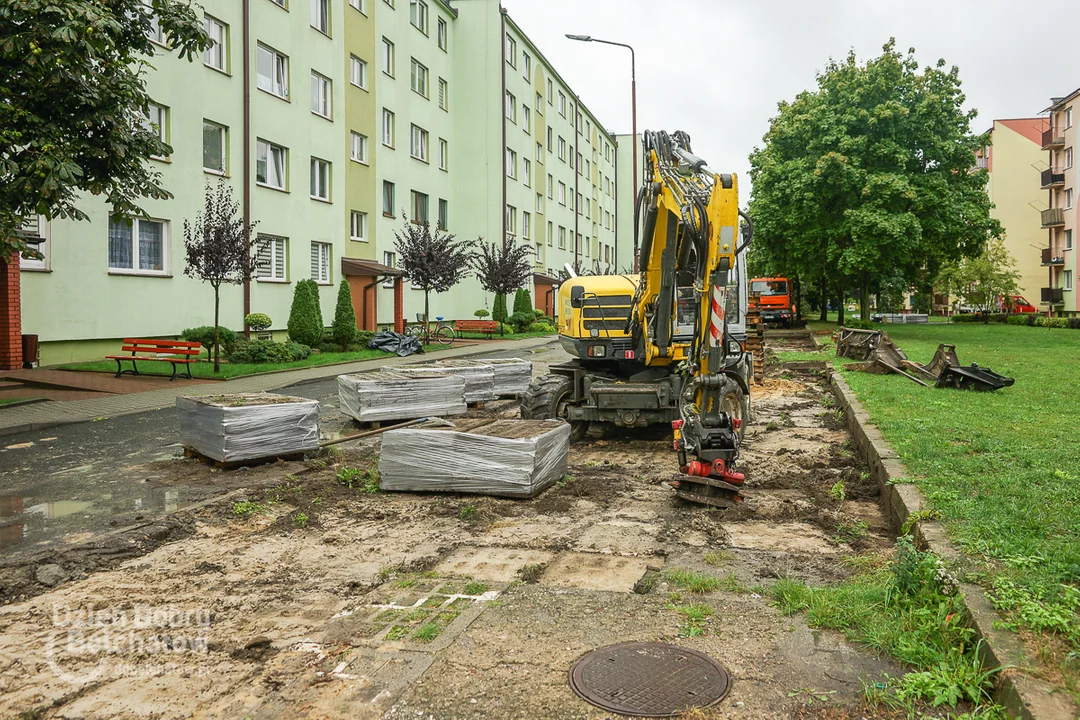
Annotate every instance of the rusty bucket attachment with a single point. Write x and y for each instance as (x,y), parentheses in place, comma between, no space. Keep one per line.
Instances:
(972,377)
(857,344)
(943,370)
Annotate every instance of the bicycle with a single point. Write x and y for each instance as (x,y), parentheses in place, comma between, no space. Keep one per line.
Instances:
(443,333)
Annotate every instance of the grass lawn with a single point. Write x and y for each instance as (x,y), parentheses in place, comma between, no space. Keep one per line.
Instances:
(1002,469)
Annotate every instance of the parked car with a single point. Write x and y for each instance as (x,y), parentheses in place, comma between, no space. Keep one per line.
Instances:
(1017,304)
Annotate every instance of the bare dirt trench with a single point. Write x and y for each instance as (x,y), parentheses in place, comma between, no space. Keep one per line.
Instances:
(450,606)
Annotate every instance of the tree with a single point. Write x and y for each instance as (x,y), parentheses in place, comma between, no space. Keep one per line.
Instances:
(432,259)
(980,281)
(73,105)
(502,269)
(872,173)
(523,301)
(305,315)
(343,330)
(219,249)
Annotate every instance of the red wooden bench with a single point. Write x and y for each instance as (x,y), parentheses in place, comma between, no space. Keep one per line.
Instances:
(478,326)
(177,352)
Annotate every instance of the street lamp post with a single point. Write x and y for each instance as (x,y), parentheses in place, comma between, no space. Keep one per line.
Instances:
(633,107)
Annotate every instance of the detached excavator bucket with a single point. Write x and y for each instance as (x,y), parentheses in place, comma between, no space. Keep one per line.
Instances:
(972,377)
(857,344)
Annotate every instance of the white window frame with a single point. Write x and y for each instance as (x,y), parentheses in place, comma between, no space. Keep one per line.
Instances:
(562,193)
(358,226)
(321,178)
(562,237)
(444,154)
(278,84)
(539,104)
(389,260)
(562,104)
(526,65)
(1068,158)
(1069,239)
(551,187)
(223,137)
(269,155)
(1067,280)
(419,79)
(511,51)
(388,125)
(444,32)
(387,185)
(219,44)
(444,94)
(540,203)
(511,107)
(136,260)
(418,15)
(562,149)
(1068,117)
(358,72)
(389,53)
(38,227)
(360,5)
(322,93)
(358,147)
(511,164)
(320,16)
(418,143)
(511,220)
(550,234)
(156,34)
(526,118)
(415,201)
(159,125)
(278,248)
(321,257)
(1068,198)
(526,224)
(526,172)
(539,153)
(550,92)
(442,219)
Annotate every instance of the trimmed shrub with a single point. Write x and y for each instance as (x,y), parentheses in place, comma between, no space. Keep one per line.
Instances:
(855,324)
(521,320)
(481,313)
(363,337)
(297,351)
(539,314)
(305,316)
(504,329)
(523,301)
(1018,320)
(1073,323)
(537,327)
(344,327)
(258,321)
(204,335)
(261,351)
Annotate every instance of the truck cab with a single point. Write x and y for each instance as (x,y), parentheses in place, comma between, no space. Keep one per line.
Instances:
(774,299)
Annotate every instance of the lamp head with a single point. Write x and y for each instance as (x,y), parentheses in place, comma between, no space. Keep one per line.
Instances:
(582,38)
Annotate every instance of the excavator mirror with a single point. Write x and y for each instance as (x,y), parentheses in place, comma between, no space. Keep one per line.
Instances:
(577,296)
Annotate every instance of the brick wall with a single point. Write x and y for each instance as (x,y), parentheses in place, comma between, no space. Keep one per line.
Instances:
(399,305)
(10,315)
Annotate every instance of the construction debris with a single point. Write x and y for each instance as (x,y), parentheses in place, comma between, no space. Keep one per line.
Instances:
(392,394)
(512,375)
(512,458)
(248,426)
(479,377)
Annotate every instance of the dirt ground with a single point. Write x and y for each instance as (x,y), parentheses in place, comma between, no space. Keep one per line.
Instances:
(310,598)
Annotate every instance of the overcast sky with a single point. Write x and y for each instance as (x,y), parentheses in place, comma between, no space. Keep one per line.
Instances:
(717,68)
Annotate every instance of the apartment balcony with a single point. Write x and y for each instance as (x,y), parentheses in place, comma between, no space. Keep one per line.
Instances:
(1053,217)
(1051,258)
(1053,296)
(1052,138)
(1054,177)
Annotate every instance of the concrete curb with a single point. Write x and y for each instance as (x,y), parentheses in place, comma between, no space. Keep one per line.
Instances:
(1022,695)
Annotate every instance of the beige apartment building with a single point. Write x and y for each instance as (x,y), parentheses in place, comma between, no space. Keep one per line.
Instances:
(1060,180)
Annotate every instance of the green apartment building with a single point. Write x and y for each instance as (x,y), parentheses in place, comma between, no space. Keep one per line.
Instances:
(348,119)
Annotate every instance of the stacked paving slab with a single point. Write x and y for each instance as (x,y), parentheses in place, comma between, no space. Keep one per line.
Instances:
(512,375)
(248,426)
(479,377)
(401,394)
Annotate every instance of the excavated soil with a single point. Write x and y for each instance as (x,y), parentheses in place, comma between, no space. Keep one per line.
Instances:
(304,597)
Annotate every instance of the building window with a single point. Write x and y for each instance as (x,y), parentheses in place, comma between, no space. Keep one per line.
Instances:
(389,259)
(360,5)
(1068,158)
(418,78)
(550,147)
(551,188)
(444,214)
(539,154)
(358,147)
(320,95)
(562,193)
(157,122)
(273,71)
(550,234)
(444,95)
(37,227)
(1068,118)
(320,16)
(320,180)
(511,220)
(562,238)
(271,266)
(270,164)
(511,108)
(358,72)
(1068,239)
(1068,198)
(358,226)
(442,34)
(418,143)
(526,225)
(511,51)
(526,63)
(526,118)
(214,138)
(419,207)
(388,199)
(388,57)
(418,15)
(539,203)
(387,128)
(156,34)
(217,54)
(320,262)
(549,91)
(539,104)
(562,149)
(1066,280)
(511,164)
(527,167)
(137,246)
(562,104)
(444,154)
(578,203)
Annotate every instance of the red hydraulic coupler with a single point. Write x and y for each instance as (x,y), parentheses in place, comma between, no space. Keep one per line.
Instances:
(704,468)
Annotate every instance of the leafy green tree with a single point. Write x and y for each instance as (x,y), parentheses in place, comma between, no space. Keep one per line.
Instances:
(432,259)
(982,280)
(73,105)
(871,173)
(305,315)
(523,301)
(343,330)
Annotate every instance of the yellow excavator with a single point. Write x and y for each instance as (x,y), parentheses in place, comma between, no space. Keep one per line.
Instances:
(667,345)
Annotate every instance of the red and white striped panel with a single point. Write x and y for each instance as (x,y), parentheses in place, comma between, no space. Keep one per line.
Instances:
(716,320)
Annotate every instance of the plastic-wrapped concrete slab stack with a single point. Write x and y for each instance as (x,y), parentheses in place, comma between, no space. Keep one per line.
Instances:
(512,375)
(479,377)
(395,395)
(248,426)
(514,458)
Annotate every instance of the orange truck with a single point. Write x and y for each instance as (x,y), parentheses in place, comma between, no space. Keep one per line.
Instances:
(774,299)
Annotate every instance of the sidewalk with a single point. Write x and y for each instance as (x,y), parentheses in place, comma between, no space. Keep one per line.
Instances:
(48,414)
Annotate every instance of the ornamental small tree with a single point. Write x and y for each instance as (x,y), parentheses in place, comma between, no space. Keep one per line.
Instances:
(219,249)
(305,316)
(432,259)
(258,321)
(503,269)
(343,330)
(523,301)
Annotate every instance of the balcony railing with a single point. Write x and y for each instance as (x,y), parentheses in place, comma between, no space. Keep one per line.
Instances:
(1053,296)
(1052,138)
(1052,177)
(1053,217)
(1050,258)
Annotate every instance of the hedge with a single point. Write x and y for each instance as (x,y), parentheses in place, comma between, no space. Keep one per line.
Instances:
(1028,319)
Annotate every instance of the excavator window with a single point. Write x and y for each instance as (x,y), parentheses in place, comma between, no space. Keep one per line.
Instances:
(769,287)
(685,313)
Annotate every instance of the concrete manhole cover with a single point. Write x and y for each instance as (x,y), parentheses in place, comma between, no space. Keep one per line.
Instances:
(648,679)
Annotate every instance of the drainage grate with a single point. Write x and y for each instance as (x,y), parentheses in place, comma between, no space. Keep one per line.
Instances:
(648,679)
